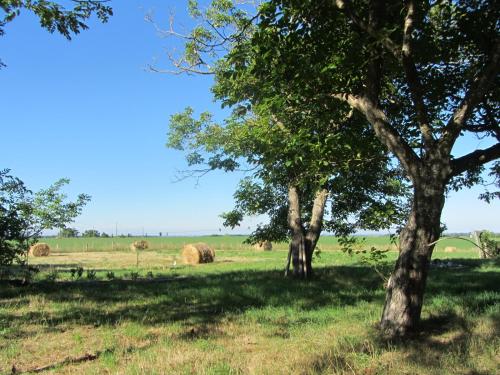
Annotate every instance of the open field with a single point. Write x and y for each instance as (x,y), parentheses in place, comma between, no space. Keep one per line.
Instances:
(240,316)
(220,242)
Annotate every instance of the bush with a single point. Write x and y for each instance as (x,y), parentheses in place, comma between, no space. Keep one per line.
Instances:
(491,247)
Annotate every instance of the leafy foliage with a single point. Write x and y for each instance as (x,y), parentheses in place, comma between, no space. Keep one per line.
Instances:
(54,16)
(323,51)
(490,246)
(25,215)
(283,143)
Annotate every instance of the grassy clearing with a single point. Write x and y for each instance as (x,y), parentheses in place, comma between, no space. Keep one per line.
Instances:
(239,316)
(219,242)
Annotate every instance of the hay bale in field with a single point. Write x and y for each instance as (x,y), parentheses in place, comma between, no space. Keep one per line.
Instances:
(139,245)
(263,245)
(40,250)
(450,249)
(197,253)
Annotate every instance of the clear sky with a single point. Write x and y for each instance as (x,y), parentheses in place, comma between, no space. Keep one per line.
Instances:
(90,111)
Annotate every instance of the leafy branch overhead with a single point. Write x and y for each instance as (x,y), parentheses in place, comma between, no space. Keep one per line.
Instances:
(54,16)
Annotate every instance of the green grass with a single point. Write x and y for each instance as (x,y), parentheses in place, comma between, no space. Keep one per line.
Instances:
(225,242)
(240,316)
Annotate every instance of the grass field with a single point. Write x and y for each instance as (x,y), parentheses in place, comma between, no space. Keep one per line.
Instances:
(219,242)
(239,315)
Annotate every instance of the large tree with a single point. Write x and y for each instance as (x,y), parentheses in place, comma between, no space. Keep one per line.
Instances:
(294,172)
(301,157)
(423,74)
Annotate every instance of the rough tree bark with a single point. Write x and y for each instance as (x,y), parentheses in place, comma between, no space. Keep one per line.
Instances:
(304,241)
(405,290)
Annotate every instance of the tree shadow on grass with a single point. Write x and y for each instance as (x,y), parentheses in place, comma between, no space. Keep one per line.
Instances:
(445,336)
(194,299)
(204,300)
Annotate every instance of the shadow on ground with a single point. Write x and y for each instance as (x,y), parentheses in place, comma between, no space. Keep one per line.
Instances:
(204,300)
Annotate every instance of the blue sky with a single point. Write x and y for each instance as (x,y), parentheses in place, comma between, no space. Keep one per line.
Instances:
(90,111)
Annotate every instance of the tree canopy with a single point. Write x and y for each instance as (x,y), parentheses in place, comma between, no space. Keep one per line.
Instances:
(298,155)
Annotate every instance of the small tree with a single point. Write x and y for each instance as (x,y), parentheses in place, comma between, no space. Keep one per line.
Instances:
(24,215)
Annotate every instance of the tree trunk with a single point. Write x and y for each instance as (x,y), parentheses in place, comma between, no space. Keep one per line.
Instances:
(303,244)
(315,226)
(297,246)
(405,290)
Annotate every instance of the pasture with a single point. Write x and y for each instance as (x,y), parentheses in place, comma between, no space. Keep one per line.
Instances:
(239,315)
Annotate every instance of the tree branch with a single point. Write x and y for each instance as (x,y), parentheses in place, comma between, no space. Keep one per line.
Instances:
(412,77)
(494,129)
(345,6)
(403,54)
(385,132)
(478,88)
(374,74)
(474,159)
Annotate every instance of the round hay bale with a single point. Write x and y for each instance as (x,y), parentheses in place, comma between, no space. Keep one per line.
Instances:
(40,250)
(450,249)
(139,245)
(197,253)
(263,245)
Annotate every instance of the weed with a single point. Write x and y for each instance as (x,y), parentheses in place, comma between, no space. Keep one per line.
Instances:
(76,272)
(53,275)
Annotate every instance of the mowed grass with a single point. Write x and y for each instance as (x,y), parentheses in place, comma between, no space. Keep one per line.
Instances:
(240,316)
